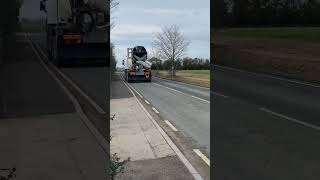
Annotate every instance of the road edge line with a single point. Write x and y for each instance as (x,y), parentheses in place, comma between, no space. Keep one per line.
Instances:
(270,76)
(95,105)
(182,158)
(312,126)
(94,131)
(138,93)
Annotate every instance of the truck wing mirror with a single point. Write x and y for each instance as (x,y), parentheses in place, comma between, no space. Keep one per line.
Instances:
(43,6)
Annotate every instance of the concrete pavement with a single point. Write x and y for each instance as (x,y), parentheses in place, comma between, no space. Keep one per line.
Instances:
(51,147)
(133,133)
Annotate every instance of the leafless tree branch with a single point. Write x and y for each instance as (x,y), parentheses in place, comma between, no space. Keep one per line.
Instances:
(113,6)
(170,43)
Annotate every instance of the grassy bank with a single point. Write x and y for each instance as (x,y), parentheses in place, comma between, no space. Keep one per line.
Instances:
(195,77)
(306,34)
(288,52)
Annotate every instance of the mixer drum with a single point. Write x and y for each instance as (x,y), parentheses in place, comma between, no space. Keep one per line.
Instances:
(139,51)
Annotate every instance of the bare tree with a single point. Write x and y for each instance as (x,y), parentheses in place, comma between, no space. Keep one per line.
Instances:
(171,45)
(154,53)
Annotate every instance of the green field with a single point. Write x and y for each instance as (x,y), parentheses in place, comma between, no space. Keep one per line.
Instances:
(195,77)
(307,34)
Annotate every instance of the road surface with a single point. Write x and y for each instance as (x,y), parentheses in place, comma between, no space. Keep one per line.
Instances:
(22,94)
(187,107)
(265,127)
(91,81)
(182,110)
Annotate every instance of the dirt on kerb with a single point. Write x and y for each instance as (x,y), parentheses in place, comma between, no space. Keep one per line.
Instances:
(282,57)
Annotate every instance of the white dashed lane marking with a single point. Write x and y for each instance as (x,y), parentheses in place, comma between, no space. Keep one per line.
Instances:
(202,156)
(146,101)
(169,124)
(155,110)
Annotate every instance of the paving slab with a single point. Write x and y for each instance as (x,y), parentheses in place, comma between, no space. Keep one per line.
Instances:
(51,147)
(133,133)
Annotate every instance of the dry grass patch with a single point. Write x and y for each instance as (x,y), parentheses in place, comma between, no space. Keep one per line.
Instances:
(195,77)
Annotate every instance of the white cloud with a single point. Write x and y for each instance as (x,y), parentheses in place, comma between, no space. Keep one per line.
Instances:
(133,30)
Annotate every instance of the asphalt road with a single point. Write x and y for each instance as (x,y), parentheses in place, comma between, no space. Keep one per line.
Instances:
(265,127)
(92,81)
(187,107)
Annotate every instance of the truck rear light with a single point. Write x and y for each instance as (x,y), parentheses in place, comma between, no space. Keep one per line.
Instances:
(132,73)
(147,72)
(72,39)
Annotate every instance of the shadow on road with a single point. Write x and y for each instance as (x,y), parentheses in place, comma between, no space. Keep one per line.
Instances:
(26,88)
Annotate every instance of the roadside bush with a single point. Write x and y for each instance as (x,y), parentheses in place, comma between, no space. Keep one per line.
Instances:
(116,166)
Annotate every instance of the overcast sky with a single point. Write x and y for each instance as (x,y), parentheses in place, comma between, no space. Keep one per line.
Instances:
(136,22)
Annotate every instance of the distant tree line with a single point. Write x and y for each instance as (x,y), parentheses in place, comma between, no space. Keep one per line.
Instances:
(183,64)
(266,13)
(113,61)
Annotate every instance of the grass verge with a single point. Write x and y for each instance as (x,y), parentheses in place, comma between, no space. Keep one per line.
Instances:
(305,34)
(288,52)
(194,77)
